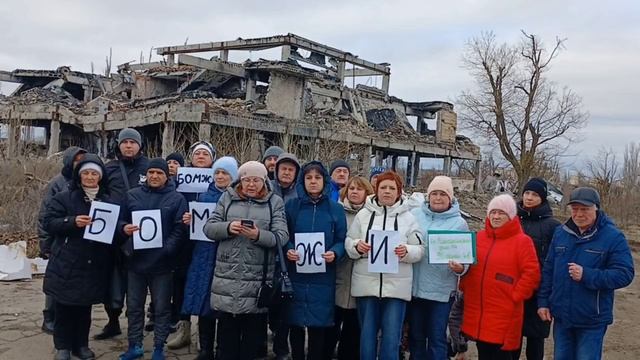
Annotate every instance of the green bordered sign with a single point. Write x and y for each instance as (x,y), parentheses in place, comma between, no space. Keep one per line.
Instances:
(445,245)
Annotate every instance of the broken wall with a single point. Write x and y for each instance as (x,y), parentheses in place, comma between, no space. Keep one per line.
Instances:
(286,96)
(447,125)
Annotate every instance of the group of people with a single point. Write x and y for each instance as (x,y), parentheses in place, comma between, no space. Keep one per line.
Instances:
(529,269)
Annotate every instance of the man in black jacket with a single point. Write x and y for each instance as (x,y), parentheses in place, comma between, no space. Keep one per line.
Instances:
(70,158)
(152,268)
(124,173)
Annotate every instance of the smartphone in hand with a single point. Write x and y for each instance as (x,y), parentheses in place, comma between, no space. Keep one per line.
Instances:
(246,223)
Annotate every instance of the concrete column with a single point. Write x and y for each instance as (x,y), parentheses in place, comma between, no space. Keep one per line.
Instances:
(446,167)
(54,137)
(171,59)
(409,175)
(285,141)
(251,89)
(224,55)
(341,65)
(204,132)
(420,125)
(385,83)
(168,136)
(416,170)
(13,137)
(286,52)
(366,161)
(478,174)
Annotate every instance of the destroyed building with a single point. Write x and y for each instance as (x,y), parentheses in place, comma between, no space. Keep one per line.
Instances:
(309,109)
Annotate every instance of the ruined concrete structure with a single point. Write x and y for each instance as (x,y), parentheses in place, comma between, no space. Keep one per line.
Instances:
(281,101)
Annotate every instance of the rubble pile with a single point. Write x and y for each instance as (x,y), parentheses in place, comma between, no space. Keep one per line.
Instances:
(37,95)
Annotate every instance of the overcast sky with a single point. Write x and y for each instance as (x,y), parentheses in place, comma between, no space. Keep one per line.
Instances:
(423,41)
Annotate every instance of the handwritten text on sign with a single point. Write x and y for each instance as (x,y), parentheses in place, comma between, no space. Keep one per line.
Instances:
(149,236)
(310,247)
(194,180)
(382,258)
(200,213)
(104,217)
(457,246)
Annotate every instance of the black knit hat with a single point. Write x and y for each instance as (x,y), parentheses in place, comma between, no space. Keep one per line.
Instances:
(159,163)
(177,157)
(537,185)
(339,163)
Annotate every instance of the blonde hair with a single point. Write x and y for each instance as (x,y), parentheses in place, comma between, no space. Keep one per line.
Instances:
(360,182)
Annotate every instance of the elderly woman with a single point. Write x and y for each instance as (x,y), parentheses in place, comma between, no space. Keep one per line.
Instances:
(78,273)
(248,223)
(505,275)
(312,307)
(434,284)
(197,292)
(382,298)
(346,330)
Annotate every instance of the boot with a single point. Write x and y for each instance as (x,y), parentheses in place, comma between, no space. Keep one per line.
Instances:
(62,355)
(110,330)
(134,352)
(47,326)
(84,353)
(158,353)
(182,337)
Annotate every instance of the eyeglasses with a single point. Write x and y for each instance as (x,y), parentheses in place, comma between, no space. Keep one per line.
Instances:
(254,181)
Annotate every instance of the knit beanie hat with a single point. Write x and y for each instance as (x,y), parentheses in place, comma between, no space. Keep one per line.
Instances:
(177,157)
(390,175)
(229,165)
(504,202)
(159,163)
(537,185)
(337,164)
(442,183)
(203,145)
(252,169)
(129,133)
(272,151)
(91,166)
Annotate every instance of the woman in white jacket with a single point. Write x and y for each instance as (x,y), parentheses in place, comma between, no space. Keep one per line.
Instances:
(382,298)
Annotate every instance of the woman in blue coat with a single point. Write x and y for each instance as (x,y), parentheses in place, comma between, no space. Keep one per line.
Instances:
(314,293)
(197,291)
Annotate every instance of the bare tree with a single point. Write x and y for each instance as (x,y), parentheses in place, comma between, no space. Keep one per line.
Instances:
(514,104)
(603,171)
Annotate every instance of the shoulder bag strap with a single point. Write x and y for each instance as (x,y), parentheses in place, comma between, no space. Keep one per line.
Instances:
(125,177)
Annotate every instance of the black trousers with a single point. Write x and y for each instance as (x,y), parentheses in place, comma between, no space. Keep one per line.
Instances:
(280,330)
(240,336)
(316,346)
(207,332)
(345,333)
(71,329)
(177,297)
(535,349)
(487,351)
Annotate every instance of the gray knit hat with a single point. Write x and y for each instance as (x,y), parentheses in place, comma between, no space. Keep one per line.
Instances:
(272,151)
(129,133)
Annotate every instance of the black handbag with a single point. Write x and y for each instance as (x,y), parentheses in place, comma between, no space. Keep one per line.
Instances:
(281,289)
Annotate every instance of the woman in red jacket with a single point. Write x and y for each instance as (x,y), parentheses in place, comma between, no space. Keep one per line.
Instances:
(506,273)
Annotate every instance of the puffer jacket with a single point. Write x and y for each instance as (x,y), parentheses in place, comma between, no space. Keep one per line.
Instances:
(344,271)
(436,281)
(606,263)
(540,225)
(172,206)
(197,290)
(506,273)
(59,183)
(78,272)
(314,294)
(239,260)
(377,217)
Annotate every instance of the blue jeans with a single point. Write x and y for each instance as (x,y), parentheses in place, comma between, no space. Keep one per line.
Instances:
(428,322)
(577,343)
(160,286)
(386,315)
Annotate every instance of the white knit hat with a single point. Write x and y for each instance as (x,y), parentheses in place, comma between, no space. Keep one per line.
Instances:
(91,166)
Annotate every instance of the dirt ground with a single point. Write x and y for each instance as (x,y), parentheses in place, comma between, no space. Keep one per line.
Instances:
(21,315)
